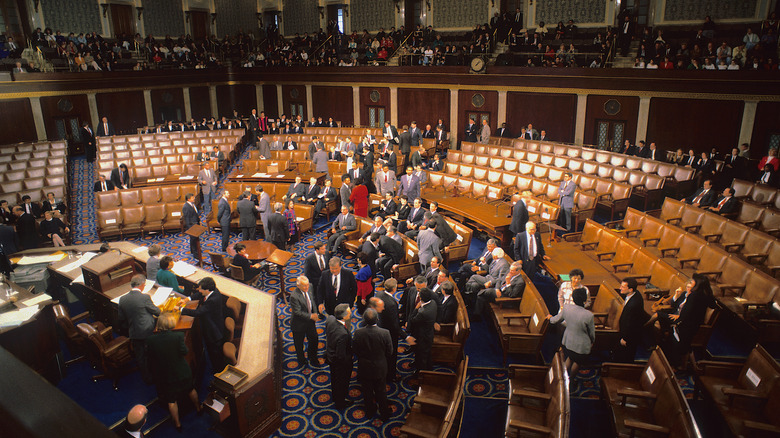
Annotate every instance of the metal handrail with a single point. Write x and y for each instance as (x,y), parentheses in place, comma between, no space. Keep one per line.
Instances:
(320,46)
(403,43)
(611,54)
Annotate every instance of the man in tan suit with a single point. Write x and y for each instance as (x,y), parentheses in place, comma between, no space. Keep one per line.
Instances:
(207,179)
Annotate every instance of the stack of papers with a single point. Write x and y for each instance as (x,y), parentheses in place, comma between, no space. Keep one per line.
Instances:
(36,300)
(161,295)
(34,260)
(17,317)
(186,177)
(183,269)
(87,256)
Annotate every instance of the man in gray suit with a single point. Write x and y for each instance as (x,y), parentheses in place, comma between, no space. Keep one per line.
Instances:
(428,245)
(223,217)
(277,145)
(344,223)
(385,180)
(498,270)
(345,191)
(314,146)
(137,311)
(512,286)
(566,199)
(263,147)
(410,185)
(320,160)
(247,219)
(208,186)
(484,133)
(263,207)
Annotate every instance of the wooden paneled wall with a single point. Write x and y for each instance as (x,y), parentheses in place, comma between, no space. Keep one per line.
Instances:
(767,123)
(466,105)
(555,113)
(200,102)
(125,109)
(596,110)
(57,107)
(425,106)
(366,102)
(168,104)
(333,102)
(16,121)
(694,123)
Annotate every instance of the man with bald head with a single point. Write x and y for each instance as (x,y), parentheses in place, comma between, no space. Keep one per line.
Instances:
(135,420)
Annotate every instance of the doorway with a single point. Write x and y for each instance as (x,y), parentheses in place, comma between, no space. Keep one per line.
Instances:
(376,116)
(199,24)
(610,134)
(296,109)
(413,10)
(122,21)
(69,129)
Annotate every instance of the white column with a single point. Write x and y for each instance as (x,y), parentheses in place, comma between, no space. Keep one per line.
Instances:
(501,116)
(213,101)
(579,126)
(37,111)
(149,109)
(394,105)
(748,120)
(356,105)
(187,104)
(94,117)
(641,119)
(454,116)
(309,102)
(279,101)
(259,98)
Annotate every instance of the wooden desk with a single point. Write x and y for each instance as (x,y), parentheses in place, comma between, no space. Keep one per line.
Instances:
(255,404)
(565,256)
(169,180)
(286,177)
(476,213)
(256,250)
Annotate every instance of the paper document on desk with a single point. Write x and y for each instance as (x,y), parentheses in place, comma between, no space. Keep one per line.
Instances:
(78,280)
(186,177)
(148,286)
(34,260)
(183,269)
(116,300)
(17,317)
(87,256)
(160,295)
(140,249)
(280,175)
(36,300)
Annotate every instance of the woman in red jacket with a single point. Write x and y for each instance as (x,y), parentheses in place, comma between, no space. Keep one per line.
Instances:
(359,198)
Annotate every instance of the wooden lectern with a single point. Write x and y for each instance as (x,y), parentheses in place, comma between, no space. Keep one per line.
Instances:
(195,232)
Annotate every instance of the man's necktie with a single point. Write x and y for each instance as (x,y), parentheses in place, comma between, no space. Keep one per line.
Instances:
(723,201)
(698,198)
(321,262)
(531,247)
(104,187)
(336,285)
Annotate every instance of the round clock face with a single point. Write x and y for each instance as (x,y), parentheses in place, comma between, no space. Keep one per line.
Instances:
(612,107)
(477,64)
(374,96)
(478,100)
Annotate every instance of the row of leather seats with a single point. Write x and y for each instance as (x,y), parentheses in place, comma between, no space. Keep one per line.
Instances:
(438,405)
(754,245)
(140,219)
(147,196)
(36,154)
(170,136)
(539,400)
(249,167)
(647,400)
(759,194)
(35,146)
(178,164)
(150,148)
(161,151)
(328,135)
(746,394)
(33,170)
(766,219)
(56,165)
(521,323)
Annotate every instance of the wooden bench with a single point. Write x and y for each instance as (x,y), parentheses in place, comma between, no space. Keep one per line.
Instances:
(521,323)
(437,407)
(450,340)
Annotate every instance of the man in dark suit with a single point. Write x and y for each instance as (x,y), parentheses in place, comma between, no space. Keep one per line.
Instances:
(189,215)
(529,249)
(337,285)
(405,144)
(344,223)
(120,177)
(443,228)
(519,215)
(415,134)
(138,313)
(726,203)
(415,219)
(704,197)
(566,199)
(386,305)
(223,217)
(338,354)
(373,347)
(103,185)
(88,137)
(105,129)
(278,231)
(247,218)
(315,264)
(503,131)
(512,286)
(212,320)
(302,324)
(327,194)
(632,320)
(134,423)
(471,131)
(30,207)
(421,329)
(642,150)
(654,154)
(448,309)
(390,133)
(290,145)
(311,192)
(25,229)
(390,253)
(429,132)
(296,191)
(7,247)
(314,146)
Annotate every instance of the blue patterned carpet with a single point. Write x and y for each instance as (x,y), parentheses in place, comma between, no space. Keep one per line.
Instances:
(306,404)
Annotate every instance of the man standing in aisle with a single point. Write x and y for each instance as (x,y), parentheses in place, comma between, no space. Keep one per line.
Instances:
(304,315)
(137,311)
(208,186)
(338,354)
(373,348)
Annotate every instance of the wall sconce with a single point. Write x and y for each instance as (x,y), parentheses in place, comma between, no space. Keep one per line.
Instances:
(322,11)
(140,11)
(398,6)
(259,16)
(428,5)
(213,17)
(35,5)
(187,16)
(346,10)
(105,9)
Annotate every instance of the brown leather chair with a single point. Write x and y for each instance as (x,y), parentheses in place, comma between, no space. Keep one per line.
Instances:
(173,217)
(607,308)
(552,421)
(105,200)
(111,356)
(742,188)
(76,342)
(169,193)
(410,266)
(649,166)
(561,162)
(132,220)
(437,404)
(129,197)
(750,214)
(757,294)
(109,223)
(770,222)
(605,171)
(219,261)
(734,236)
(731,277)
(450,340)
(237,273)
(603,157)
(230,352)
(480,173)
(154,217)
(665,170)
(763,194)
(575,164)
(540,171)
(638,383)
(230,328)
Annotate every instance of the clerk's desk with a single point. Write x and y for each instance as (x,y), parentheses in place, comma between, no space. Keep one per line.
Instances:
(255,404)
